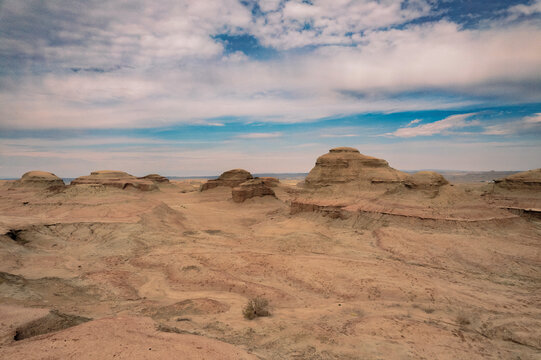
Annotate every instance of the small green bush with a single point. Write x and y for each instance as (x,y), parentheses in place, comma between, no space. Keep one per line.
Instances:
(255,308)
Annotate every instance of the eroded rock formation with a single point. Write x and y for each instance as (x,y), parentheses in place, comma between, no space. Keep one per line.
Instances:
(345,164)
(156,178)
(425,180)
(270,181)
(229,178)
(249,189)
(40,179)
(117,179)
(525,180)
(346,183)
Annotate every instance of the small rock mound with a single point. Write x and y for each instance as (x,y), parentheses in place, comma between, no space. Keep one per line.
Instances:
(40,179)
(229,178)
(117,179)
(525,180)
(345,164)
(270,181)
(156,178)
(250,189)
(425,180)
(54,321)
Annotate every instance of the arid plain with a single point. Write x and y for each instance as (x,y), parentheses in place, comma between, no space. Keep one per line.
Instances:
(357,261)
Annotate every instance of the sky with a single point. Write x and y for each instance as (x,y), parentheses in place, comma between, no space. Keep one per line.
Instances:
(182,88)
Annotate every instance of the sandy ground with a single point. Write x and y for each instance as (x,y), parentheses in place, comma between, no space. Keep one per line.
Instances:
(166,274)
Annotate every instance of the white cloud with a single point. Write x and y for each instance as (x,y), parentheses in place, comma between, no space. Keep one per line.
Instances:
(330,22)
(260,135)
(269,5)
(168,69)
(438,127)
(524,9)
(338,135)
(534,119)
(525,125)
(413,122)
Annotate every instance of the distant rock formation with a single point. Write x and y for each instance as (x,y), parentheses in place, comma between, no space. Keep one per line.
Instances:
(40,179)
(156,178)
(345,164)
(425,180)
(525,180)
(250,189)
(117,179)
(229,178)
(344,184)
(270,181)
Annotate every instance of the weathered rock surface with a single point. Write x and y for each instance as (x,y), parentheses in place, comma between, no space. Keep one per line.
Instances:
(124,337)
(345,164)
(229,178)
(40,179)
(250,189)
(345,183)
(118,179)
(525,180)
(270,181)
(425,180)
(156,178)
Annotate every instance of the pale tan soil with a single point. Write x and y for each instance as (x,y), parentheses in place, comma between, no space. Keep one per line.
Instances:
(151,268)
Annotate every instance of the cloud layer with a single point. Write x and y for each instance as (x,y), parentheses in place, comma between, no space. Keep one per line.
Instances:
(93,64)
(247,72)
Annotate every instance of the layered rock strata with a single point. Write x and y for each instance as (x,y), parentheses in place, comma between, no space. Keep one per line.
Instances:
(250,189)
(117,179)
(40,179)
(229,178)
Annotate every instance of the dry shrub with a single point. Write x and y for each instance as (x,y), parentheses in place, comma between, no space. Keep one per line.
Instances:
(462,319)
(255,308)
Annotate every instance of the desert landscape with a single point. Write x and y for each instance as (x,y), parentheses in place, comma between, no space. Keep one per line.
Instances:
(356,261)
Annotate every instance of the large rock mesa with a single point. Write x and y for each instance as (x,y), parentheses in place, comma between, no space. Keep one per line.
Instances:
(344,164)
(40,179)
(117,179)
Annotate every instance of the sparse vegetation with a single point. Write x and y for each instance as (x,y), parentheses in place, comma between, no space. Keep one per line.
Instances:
(255,308)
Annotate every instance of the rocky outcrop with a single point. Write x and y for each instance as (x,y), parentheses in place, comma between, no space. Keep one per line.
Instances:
(117,179)
(156,178)
(270,181)
(425,180)
(344,164)
(525,180)
(229,178)
(250,189)
(344,184)
(40,179)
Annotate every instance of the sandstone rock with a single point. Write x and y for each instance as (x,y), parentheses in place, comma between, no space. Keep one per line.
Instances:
(525,180)
(425,180)
(344,165)
(250,189)
(40,179)
(156,178)
(269,181)
(229,178)
(118,179)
